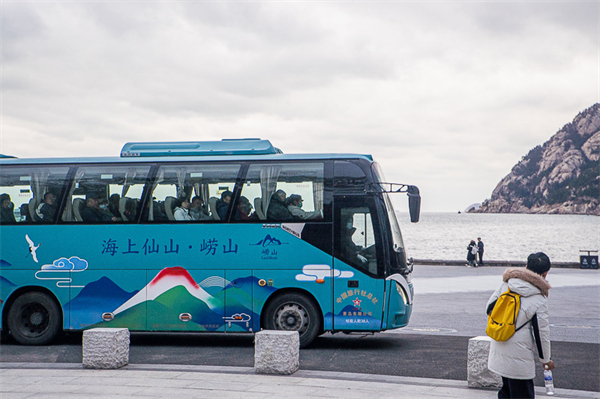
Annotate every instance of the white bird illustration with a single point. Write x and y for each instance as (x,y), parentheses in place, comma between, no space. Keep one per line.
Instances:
(32,248)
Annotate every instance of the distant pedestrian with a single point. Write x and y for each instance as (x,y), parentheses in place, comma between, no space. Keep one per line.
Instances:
(471,254)
(514,359)
(480,250)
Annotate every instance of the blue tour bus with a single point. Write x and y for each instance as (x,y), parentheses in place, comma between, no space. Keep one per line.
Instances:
(226,236)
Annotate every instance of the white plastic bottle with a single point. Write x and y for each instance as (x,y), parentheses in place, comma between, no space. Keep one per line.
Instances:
(549,382)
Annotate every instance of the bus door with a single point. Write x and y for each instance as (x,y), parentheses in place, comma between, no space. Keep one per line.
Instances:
(359,286)
(180,299)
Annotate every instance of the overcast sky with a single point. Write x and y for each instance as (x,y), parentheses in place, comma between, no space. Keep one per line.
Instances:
(447,96)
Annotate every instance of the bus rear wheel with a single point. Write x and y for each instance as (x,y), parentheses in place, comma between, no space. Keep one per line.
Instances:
(34,319)
(294,312)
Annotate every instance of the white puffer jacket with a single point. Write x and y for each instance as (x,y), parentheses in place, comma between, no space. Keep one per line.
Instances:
(515,358)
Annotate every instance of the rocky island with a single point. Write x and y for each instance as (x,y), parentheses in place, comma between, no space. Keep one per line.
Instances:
(562,176)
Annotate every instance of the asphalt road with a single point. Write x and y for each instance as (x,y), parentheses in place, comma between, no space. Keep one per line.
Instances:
(448,311)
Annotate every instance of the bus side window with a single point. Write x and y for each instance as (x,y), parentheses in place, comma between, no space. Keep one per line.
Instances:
(269,190)
(202,185)
(33,193)
(349,176)
(106,194)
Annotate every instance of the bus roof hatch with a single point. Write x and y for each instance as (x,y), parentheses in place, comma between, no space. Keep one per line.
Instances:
(200,148)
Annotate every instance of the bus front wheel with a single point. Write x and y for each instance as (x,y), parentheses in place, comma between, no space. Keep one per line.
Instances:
(34,319)
(294,312)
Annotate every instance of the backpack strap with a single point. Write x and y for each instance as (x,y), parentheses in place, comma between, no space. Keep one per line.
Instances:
(491,307)
(523,325)
(536,335)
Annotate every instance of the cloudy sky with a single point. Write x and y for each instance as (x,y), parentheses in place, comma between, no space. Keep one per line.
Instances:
(445,95)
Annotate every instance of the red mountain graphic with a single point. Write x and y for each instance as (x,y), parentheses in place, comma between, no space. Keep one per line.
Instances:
(166,279)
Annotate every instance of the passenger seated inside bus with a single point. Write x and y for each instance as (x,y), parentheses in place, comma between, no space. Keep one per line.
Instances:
(277,209)
(294,205)
(158,210)
(113,205)
(7,215)
(197,210)
(104,205)
(92,212)
(244,210)
(128,208)
(182,210)
(46,210)
(223,204)
(25,217)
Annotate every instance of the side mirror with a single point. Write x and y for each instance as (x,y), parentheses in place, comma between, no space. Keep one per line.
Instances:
(414,203)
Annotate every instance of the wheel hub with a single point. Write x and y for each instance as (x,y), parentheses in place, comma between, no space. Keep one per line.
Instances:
(291,317)
(36,318)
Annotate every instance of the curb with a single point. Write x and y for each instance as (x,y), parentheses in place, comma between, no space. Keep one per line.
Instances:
(494,263)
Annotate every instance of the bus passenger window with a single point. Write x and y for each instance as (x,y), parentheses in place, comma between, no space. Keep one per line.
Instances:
(192,193)
(348,175)
(106,194)
(270,189)
(31,194)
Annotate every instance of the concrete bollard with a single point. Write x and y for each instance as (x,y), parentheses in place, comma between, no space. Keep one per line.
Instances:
(276,352)
(105,348)
(478,374)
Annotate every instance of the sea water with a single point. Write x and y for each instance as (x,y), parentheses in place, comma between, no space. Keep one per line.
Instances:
(506,236)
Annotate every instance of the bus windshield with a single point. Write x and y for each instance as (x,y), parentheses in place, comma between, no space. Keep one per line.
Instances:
(396,234)
(398,243)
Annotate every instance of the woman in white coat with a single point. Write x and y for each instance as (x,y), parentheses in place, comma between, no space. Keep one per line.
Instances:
(514,359)
(182,211)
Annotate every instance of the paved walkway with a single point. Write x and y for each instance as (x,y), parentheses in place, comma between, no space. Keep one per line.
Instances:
(70,380)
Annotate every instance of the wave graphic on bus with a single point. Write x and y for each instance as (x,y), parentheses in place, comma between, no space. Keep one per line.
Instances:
(214,281)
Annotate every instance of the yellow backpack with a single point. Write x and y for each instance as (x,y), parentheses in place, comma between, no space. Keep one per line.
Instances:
(503,317)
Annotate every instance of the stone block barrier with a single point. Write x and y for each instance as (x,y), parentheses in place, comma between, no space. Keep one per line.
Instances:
(276,352)
(478,375)
(105,348)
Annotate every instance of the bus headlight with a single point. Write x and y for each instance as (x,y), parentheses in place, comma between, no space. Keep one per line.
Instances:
(402,293)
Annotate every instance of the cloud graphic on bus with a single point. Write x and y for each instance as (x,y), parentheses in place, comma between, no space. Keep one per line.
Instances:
(73,263)
(319,272)
(58,267)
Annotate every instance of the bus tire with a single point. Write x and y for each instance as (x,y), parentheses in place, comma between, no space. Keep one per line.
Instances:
(294,312)
(34,319)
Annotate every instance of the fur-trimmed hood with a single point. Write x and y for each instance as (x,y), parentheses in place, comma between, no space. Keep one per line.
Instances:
(526,276)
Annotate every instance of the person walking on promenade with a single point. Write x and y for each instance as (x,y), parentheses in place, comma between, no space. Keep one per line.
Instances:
(471,254)
(480,250)
(514,359)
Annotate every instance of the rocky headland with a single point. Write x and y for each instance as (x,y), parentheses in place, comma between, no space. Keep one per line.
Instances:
(562,176)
